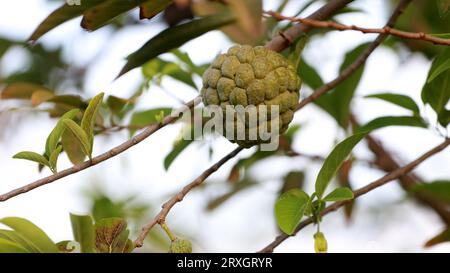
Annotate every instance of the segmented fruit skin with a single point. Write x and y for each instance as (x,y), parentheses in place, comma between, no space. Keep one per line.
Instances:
(255,76)
(180,246)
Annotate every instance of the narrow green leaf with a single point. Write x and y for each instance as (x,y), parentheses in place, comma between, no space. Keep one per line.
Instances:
(32,156)
(381,122)
(436,91)
(339,194)
(72,147)
(399,100)
(179,147)
(334,161)
(309,75)
(337,101)
(61,15)
(31,232)
(7,246)
(440,189)
(438,70)
(80,135)
(101,14)
(18,239)
(151,8)
(56,133)
(53,160)
(83,232)
(89,117)
(289,209)
(184,58)
(147,117)
(174,37)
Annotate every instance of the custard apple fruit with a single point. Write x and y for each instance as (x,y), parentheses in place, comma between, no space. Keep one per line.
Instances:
(180,246)
(252,76)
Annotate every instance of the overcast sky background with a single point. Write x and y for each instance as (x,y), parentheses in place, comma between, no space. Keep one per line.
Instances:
(385,220)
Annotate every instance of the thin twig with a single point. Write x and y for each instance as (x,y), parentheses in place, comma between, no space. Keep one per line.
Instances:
(385,161)
(341,27)
(278,43)
(98,159)
(161,216)
(376,184)
(348,71)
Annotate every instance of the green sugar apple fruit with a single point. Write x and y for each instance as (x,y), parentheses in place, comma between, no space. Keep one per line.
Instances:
(252,76)
(180,246)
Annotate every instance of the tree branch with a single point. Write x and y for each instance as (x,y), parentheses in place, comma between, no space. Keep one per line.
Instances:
(161,216)
(376,184)
(347,72)
(385,161)
(341,27)
(278,43)
(98,159)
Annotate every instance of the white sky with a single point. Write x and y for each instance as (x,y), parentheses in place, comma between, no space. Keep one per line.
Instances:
(384,220)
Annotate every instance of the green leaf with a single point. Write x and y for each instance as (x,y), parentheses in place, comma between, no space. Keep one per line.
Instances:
(56,133)
(381,122)
(436,91)
(32,156)
(7,246)
(89,117)
(112,236)
(101,14)
(148,117)
(339,194)
(442,237)
(439,189)
(399,100)
(174,37)
(309,75)
(337,101)
(439,70)
(61,15)
(31,232)
(80,135)
(83,232)
(334,161)
(289,209)
(150,8)
(159,68)
(72,147)
(18,239)
(179,147)
(184,58)
(53,160)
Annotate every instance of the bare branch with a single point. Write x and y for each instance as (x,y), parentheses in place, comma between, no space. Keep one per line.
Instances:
(161,216)
(98,159)
(341,27)
(376,184)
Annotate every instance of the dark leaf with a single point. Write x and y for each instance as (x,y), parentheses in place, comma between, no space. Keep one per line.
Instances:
(174,37)
(61,15)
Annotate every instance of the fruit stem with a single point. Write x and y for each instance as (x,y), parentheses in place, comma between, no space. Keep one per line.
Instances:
(169,233)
